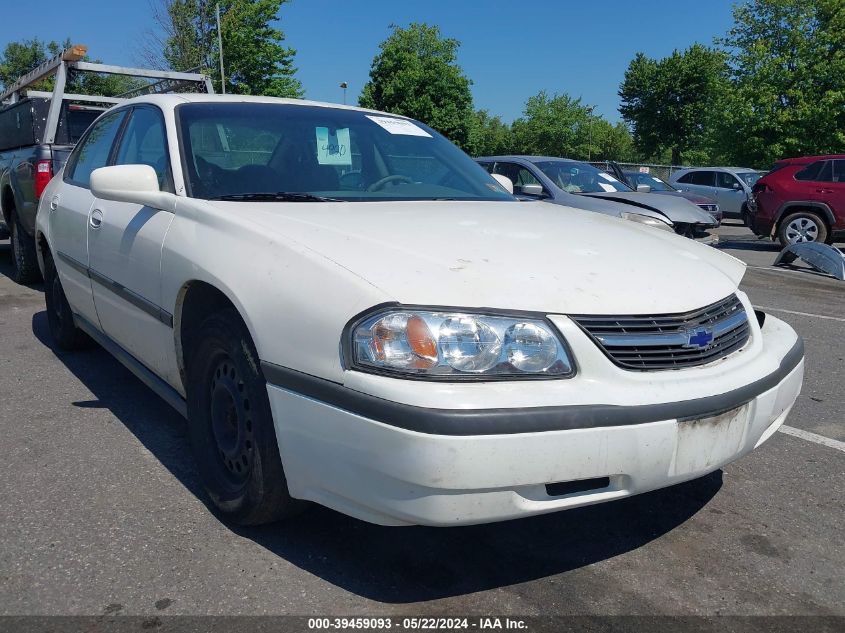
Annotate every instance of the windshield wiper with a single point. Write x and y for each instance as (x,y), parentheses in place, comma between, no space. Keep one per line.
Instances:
(280,196)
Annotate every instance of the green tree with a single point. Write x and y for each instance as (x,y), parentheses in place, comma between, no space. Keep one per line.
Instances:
(555,125)
(490,135)
(672,103)
(611,142)
(787,62)
(416,74)
(255,59)
(18,58)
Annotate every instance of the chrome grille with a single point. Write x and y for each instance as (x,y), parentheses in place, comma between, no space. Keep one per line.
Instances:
(670,341)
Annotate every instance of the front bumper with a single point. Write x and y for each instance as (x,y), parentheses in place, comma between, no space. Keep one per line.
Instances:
(394,462)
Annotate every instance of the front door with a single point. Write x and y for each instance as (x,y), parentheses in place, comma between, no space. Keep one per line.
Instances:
(125,242)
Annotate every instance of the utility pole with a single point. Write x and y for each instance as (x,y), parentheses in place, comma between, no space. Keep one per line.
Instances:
(590,129)
(220,49)
(344,85)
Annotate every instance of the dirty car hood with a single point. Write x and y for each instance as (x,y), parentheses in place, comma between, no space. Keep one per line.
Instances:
(505,255)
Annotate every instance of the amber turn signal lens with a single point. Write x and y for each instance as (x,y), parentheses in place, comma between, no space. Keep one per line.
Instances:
(421,341)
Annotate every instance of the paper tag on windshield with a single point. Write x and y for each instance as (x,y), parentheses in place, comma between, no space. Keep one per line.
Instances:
(607,188)
(398,126)
(333,146)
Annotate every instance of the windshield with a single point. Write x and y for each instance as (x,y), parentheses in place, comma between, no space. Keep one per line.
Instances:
(749,177)
(654,182)
(232,150)
(580,177)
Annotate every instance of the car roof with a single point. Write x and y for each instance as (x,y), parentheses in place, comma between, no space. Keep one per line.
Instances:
(733,170)
(802,160)
(529,159)
(170,101)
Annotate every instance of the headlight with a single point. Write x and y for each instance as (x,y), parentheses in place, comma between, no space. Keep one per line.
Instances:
(648,221)
(457,345)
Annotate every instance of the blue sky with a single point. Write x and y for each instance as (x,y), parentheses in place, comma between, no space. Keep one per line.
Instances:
(510,49)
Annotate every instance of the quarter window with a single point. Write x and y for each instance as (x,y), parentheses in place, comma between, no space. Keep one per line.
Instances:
(93,152)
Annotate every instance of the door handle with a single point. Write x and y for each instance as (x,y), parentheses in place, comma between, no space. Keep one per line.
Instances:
(54,203)
(824,190)
(95,220)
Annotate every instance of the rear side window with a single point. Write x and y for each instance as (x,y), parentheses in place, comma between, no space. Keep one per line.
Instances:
(839,171)
(814,171)
(706,178)
(94,150)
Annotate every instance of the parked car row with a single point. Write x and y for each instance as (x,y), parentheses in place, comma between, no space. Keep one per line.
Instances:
(580,185)
(349,310)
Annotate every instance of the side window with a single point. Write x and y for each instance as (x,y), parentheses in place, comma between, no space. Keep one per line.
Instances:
(818,171)
(144,142)
(489,167)
(705,178)
(94,150)
(686,178)
(725,180)
(839,171)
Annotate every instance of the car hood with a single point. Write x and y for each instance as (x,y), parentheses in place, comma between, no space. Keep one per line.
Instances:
(676,209)
(503,255)
(692,197)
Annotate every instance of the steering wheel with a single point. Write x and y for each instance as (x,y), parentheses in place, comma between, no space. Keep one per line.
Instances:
(378,185)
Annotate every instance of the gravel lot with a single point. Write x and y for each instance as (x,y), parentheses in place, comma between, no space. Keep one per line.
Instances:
(101,511)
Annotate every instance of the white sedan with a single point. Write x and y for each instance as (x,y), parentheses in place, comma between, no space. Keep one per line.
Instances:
(348,310)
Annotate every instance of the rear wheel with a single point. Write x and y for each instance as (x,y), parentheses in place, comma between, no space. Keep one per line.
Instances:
(59,315)
(24,259)
(802,226)
(231,425)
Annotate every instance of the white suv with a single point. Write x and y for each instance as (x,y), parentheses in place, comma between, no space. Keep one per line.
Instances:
(350,311)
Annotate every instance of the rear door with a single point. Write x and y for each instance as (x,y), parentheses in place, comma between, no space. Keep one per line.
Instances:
(125,252)
(830,189)
(698,181)
(70,209)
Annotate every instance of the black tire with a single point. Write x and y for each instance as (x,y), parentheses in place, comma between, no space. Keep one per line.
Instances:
(59,315)
(231,425)
(24,258)
(802,226)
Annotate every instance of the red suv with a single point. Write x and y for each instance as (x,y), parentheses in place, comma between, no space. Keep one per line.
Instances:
(802,200)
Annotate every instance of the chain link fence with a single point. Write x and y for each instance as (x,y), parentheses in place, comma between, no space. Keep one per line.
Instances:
(661,171)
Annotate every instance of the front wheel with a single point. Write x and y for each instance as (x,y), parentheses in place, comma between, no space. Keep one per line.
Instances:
(231,425)
(802,226)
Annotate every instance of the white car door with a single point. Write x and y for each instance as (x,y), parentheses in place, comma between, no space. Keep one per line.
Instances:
(125,242)
(70,213)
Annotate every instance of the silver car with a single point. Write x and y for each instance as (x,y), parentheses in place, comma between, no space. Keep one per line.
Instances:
(730,187)
(575,184)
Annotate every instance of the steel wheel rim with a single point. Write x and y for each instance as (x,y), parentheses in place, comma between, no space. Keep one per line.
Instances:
(231,421)
(802,229)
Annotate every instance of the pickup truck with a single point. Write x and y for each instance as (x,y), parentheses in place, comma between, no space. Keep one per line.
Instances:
(348,310)
(26,166)
(39,129)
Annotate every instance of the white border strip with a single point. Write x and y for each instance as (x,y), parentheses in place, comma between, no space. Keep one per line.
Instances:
(813,437)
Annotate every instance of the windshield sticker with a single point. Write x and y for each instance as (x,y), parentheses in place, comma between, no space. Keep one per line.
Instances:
(608,177)
(333,146)
(608,188)
(398,126)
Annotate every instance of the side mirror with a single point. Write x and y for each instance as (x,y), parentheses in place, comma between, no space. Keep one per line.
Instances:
(643,188)
(506,182)
(736,186)
(136,184)
(532,190)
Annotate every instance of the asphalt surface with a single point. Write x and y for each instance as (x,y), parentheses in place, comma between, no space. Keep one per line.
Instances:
(101,511)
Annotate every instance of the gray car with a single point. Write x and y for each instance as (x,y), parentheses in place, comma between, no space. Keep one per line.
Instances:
(730,187)
(580,185)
